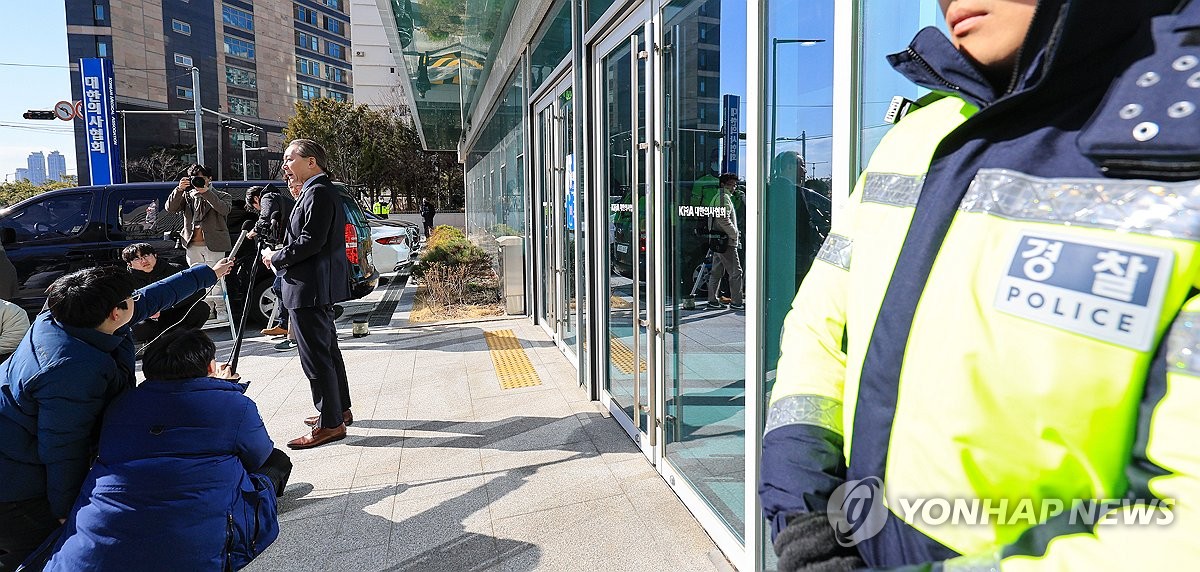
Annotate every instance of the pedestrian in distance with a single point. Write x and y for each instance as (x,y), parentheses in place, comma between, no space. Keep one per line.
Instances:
(316,274)
(726,260)
(75,359)
(428,211)
(1004,314)
(186,477)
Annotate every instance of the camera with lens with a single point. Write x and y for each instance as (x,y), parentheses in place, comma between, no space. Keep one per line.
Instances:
(198,181)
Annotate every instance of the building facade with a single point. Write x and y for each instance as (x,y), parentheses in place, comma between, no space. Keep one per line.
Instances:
(255,61)
(22,174)
(56,166)
(378,82)
(596,129)
(36,163)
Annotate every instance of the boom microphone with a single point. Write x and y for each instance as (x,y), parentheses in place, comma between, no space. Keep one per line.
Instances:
(246,227)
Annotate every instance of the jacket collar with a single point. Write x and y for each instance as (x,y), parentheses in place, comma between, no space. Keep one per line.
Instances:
(1071,45)
(106,343)
(191,384)
(319,178)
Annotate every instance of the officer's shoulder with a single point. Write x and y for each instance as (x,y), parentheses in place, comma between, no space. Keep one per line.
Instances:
(901,106)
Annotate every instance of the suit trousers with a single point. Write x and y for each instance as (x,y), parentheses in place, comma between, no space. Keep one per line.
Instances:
(321,360)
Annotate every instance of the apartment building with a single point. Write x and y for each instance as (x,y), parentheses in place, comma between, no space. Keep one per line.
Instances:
(255,61)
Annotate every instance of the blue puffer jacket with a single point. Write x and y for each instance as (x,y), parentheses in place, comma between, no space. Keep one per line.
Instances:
(170,489)
(54,391)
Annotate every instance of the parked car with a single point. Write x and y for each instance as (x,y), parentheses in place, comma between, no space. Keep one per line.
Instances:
(393,253)
(65,230)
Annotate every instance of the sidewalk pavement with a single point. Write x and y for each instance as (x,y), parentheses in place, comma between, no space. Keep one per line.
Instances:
(445,471)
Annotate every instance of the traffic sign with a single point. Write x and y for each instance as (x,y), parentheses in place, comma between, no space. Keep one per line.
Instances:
(79,109)
(64,110)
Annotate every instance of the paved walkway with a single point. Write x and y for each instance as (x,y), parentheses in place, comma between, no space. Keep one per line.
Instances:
(444,470)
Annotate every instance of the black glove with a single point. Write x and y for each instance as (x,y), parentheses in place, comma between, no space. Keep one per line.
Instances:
(808,544)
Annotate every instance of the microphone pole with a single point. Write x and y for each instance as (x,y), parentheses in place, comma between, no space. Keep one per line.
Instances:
(237,342)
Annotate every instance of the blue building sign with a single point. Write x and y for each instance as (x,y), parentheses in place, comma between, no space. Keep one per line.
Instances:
(731,106)
(569,199)
(100,121)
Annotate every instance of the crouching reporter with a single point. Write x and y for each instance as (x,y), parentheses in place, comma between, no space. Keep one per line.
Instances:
(186,477)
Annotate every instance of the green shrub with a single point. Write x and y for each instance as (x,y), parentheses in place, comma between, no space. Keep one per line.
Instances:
(443,233)
(447,266)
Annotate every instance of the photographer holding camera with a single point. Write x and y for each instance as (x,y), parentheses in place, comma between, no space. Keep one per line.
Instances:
(205,233)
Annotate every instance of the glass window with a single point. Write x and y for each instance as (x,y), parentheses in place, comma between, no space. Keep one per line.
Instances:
(497,206)
(337,95)
(336,26)
(306,15)
(99,12)
(243,106)
(239,48)
(335,50)
(102,48)
(335,4)
(183,92)
(595,9)
(335,74)
(307,41)
(309,67)
(183,60)
(141,217)
(187,125)
(795,165)
(237,18)
(551,48)
(239,77)
(181,27)
(309,92)
(54,217)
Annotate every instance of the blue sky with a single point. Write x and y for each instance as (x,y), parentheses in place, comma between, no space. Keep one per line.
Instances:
(36,35)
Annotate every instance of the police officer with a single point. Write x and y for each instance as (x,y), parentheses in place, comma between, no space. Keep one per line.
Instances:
(1005,315)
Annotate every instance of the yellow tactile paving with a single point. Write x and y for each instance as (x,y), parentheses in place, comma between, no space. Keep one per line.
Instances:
(622,356)
(512,365)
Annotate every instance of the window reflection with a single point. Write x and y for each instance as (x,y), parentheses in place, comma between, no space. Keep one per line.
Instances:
(703,82)
(799,152)
(888,26)
(796,163)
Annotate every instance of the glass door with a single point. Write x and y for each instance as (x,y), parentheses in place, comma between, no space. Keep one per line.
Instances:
(624,176)
(554,202)
(703,87)
(547,309)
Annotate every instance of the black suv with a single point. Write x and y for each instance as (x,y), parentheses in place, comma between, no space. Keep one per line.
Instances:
(65,230)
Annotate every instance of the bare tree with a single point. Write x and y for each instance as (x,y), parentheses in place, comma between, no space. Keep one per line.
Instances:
(161,165)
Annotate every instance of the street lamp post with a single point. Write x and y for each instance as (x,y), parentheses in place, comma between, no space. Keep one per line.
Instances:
(775,85)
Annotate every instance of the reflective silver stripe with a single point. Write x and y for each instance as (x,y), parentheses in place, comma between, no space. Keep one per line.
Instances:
(973,563)
(836,251)
(1183,344)
(892,189)
(807,409)
(1169,210)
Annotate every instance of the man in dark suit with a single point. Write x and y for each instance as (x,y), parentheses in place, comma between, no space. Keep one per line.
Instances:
(316,275)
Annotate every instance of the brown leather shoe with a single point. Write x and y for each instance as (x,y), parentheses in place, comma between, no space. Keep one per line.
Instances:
(319,436)
(347,418)
(276,331)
